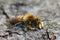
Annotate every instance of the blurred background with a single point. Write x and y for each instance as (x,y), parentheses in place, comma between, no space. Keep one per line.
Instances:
(47,10)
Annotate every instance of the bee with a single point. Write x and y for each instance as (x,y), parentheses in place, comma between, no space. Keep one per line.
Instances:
(33,22)
(27,21)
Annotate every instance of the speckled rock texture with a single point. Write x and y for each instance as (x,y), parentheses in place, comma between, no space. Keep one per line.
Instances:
(47,10)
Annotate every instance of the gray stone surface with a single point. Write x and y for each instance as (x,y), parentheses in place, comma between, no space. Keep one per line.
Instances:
(47,10)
